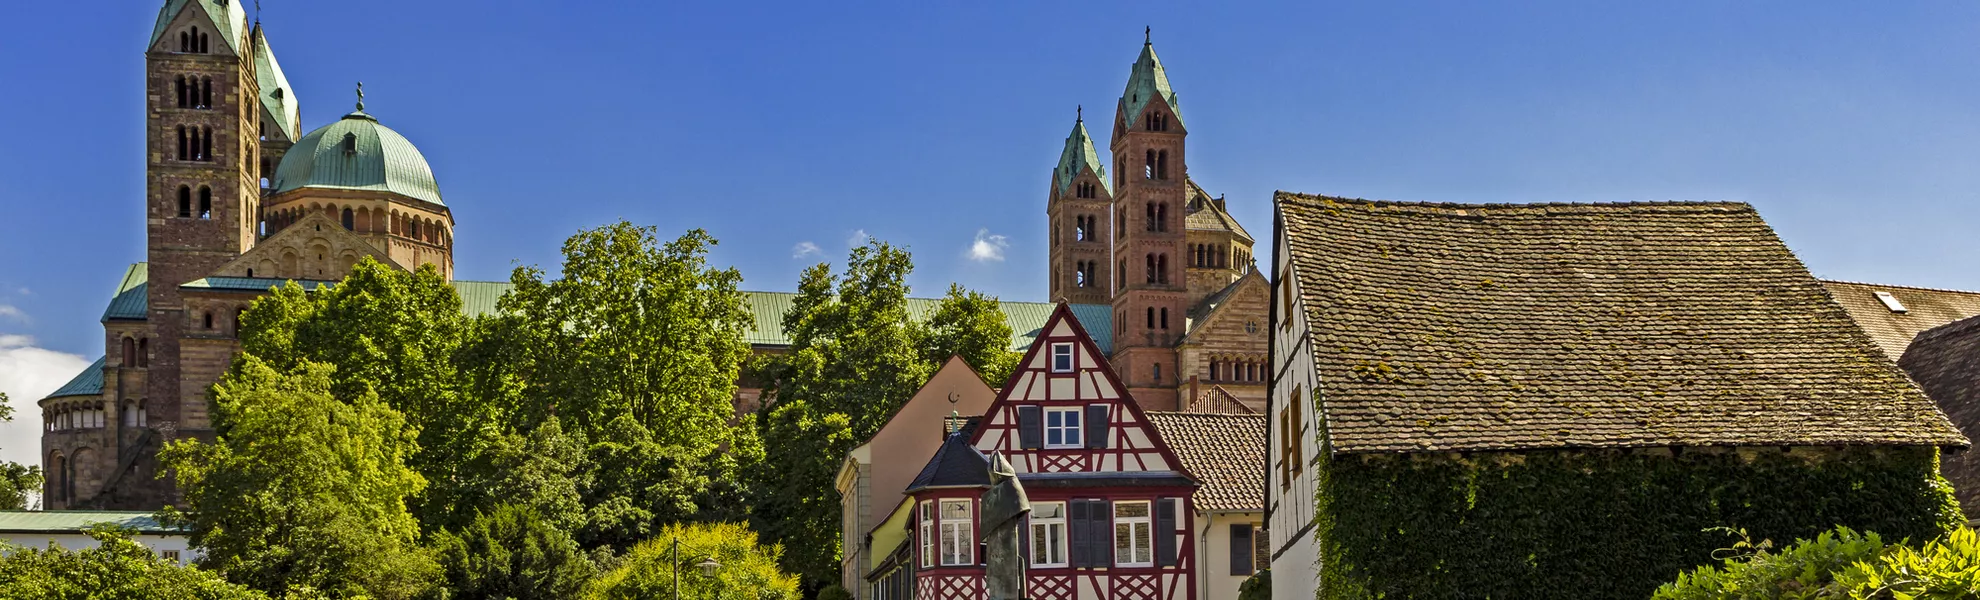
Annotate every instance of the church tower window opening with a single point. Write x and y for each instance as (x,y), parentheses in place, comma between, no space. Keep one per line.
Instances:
(350,219)
(205,202)
(185,202)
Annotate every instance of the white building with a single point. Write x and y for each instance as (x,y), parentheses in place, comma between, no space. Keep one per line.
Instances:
(68,529)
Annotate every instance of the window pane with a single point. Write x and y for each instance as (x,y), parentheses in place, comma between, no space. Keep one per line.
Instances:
(1123,543)
(955,509)
(1048,510)
(1143,544)
(1130,509)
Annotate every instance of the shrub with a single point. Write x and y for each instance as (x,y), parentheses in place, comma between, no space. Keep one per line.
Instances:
(511,554)
(833,592)
(1258,587)
(117,568)
(1838,564)
(649,570)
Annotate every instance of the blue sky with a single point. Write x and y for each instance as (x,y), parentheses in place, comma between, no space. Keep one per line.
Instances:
(935,124)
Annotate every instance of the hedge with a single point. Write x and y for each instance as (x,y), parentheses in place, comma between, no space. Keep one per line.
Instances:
(1598,524)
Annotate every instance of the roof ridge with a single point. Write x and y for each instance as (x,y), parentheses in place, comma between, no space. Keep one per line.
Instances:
(1901,287)
(1288,195)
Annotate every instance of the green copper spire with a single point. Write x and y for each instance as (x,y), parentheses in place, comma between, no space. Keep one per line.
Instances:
(228,19)
(1146,82)
(1079,155)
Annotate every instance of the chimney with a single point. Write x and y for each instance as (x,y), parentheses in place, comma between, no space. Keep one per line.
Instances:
(1220,203)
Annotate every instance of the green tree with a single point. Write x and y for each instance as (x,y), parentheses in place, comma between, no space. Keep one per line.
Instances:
(1838,564)
(746,570)
(117,568)
(972,325)
(801,510)
(18,482)
(511,554)
(301,490)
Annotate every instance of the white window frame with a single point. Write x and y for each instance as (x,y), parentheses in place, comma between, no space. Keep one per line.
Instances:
(1138,546)
(927,534)
(1070,436)
(958,534)
(1063,351)
(1048,536)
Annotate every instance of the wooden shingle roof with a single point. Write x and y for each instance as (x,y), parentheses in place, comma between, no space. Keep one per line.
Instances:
(1456,327)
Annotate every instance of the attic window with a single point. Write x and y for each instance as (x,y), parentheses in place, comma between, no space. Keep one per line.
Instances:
(350,143)
(1891,302)
(1062,358)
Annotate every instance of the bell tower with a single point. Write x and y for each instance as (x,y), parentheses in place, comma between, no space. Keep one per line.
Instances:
(203,191)
(1151,291)
(1076,209)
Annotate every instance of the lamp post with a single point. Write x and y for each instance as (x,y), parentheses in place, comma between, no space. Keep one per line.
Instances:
(707,567)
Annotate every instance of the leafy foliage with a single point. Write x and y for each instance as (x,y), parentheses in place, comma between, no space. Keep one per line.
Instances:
(1838,564)
(747,569)
(18,482)
(511,554)
(833,592)
(1257,587)
(1523,527)
(117,568)
(301,490)
(857,355)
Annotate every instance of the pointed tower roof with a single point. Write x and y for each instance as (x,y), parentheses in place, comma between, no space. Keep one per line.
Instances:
(227,16)
(1079,155)
(278,100)
(1147,80)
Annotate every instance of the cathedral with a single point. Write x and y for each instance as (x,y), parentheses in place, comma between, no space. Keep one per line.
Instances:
(1187,301)
(237,199)
(240,199)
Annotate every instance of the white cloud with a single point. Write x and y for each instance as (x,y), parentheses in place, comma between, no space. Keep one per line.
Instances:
(7,310)
(803,249)
(858,238)
(988,247)
(27,373)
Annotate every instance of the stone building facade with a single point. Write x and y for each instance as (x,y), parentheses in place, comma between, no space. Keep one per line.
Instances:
(1176,267)
(235,202)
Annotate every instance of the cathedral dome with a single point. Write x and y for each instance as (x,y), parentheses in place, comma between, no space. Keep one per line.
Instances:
(357,153)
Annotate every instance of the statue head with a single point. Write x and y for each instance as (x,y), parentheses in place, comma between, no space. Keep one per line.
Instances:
(1000,468)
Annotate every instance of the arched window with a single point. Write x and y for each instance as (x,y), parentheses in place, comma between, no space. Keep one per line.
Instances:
(185,41)
(205,202)
(184,148)
(414,230)
(208,317)
(1162,268)
(205,93)
(1162,165)
(1157,371)
(1165,318)
(144,352)
(1148,166)
(1151,317)
(130,353)
(179,88)
(1151,268)
(206,144)
(185,202)
(350,219)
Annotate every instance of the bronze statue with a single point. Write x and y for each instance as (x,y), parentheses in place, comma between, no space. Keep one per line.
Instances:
(1004,509)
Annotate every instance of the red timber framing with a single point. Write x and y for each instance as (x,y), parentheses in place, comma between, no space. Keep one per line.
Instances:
(1113,476)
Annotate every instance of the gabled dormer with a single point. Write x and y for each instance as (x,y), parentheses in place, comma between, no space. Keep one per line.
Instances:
(1064,411)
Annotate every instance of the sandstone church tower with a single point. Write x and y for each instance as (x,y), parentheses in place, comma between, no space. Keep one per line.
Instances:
(1151,296)
(1077,207)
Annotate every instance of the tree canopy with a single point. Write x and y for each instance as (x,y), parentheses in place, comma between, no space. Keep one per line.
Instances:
(302,490)
(116,568)
(745,568)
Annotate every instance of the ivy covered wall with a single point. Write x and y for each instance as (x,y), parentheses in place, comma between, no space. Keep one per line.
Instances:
(1598,524)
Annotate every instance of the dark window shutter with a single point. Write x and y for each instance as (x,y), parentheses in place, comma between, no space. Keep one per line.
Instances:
(1165,532)
(1031,428)
(1241,549)
(1076,533)
(1096,426)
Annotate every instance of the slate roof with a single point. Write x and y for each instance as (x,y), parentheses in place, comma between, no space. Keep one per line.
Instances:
(1945,361)
(479,297)
(1455,327)
(72,521)
(1226,453)
(956,464)
(1925,308)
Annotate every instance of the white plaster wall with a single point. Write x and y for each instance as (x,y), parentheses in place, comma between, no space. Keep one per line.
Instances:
(78,541)
(1213,576)
(1296,555)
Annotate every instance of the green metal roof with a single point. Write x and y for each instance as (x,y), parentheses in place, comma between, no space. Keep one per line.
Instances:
(228,18)
(128,302)
(278,100)
(357,153)
(1079,154)
(74,521)
(1146,81)
(767,308)
(87,383)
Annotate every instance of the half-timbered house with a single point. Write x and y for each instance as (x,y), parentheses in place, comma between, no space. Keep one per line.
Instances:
(1112,514)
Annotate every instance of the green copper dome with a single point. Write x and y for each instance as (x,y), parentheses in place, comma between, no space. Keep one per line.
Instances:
(357,153)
